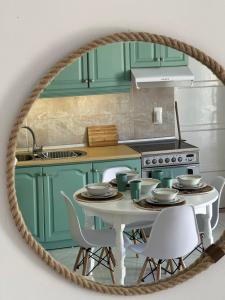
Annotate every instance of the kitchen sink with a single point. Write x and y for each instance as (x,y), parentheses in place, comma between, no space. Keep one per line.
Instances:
(51,155)
(61,154)
(24,157)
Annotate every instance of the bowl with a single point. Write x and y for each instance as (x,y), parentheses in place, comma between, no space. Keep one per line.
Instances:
(165,194)
(189,180)
(148,184)
(131,175)
(98,189)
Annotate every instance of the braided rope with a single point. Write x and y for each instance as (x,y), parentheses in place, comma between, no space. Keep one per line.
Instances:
(199,265)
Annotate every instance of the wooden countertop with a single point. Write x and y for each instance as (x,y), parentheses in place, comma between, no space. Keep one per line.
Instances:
(93,154)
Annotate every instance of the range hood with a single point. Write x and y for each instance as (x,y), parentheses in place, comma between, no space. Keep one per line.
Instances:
(162,77)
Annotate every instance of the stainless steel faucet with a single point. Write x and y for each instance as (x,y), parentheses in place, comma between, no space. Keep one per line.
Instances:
(35,148)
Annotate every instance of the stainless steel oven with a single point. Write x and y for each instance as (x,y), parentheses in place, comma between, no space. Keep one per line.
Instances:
(173,157)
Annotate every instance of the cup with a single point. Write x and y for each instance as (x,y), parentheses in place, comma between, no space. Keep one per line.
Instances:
(135,189)
(167,182)
(158,174)
(121,180)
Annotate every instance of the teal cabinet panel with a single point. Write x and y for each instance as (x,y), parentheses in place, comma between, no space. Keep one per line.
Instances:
(171,57)
(68,178)
(109,66)
(147,55)
(29,192)
(100,167)
(105,69)
(74,77)
(144,55)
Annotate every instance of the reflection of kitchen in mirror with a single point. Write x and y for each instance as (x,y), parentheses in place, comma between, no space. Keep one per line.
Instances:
(120,165)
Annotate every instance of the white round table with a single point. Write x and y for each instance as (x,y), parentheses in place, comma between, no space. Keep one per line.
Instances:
(118,213)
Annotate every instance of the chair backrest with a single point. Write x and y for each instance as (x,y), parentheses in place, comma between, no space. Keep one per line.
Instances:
(110,173)
(218,183)
(174,233)
(74,223)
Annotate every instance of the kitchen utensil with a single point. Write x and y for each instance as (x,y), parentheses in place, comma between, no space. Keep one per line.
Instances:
(167,182)
(105,135)
(189,180)
(148,184)
(135,189)
(98,189)
(121,180)
(164,194)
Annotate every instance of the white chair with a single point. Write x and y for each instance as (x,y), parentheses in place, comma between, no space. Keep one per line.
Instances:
(90,238)
(218,183)
(136,227)
(174,234)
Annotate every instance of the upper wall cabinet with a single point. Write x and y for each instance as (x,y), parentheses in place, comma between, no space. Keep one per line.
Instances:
(147,55)
(103,70)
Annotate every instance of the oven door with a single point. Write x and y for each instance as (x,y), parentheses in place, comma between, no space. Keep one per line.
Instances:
(172,171)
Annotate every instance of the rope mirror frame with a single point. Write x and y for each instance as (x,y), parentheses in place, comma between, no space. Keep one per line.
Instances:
(200,264)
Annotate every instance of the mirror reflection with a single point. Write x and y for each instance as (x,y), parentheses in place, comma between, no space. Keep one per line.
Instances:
(119,164)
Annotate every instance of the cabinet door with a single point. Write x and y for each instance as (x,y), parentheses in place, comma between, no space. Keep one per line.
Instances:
(29,191)
(67,178)
(100,167)
(171,57)
(70,81)
(109,66)
(144,54)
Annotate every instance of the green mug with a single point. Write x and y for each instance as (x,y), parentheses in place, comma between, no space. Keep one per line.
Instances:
(121,180)
(158,174)
(167,182)
(135,189)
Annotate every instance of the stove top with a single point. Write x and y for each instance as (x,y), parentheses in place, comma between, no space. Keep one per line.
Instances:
(161,146)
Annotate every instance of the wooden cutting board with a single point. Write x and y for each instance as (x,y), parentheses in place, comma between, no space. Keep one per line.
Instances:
(105,135)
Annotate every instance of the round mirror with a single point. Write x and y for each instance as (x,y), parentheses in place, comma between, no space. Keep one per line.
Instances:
(117,163)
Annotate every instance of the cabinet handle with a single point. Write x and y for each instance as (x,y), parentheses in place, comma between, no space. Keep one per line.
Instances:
(161,59)
(158,59)
(85,81)
(91,80)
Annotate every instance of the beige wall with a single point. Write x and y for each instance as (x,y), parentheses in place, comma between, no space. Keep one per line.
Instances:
(61,121)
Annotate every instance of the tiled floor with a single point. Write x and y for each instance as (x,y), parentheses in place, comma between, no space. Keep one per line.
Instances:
(133,264)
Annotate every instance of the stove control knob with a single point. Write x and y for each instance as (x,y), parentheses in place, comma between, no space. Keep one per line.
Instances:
(148,161)
(173,159)
(167,160)
(160,160)
(154,161)
(180,159)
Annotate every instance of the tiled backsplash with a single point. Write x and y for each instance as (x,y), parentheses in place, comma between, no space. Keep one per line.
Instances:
(61,121)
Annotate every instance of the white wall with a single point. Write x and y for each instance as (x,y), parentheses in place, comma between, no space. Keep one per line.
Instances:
(34,35)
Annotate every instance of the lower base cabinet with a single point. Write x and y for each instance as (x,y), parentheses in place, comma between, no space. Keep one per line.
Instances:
(42,206)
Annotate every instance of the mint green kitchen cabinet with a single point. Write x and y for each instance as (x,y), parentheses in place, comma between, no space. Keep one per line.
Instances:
(144,55)
(67,178)
(147,55)
(29,190)
(73,78)
(101,166)
(42,206)
(171,57)
(105,69)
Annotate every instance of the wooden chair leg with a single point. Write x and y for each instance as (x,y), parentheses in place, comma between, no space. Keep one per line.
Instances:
(143,235)
(135,241)
(112,256)
(158,271)
(85,262)
(143,270)
(78,258)
(181,264)
(110,264)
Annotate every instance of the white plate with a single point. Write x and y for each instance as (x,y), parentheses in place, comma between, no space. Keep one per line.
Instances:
(199,186)
(111,193)
(151,200)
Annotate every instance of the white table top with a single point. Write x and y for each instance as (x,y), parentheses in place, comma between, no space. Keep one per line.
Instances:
(126,205)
